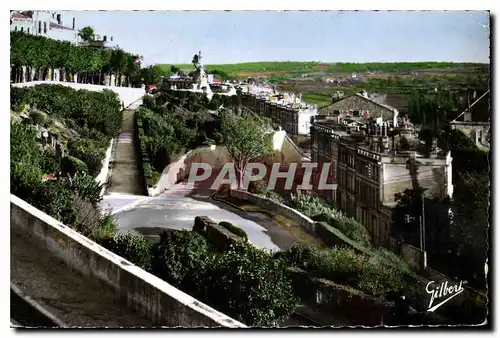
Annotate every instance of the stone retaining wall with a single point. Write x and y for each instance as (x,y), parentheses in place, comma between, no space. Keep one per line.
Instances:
(150,296)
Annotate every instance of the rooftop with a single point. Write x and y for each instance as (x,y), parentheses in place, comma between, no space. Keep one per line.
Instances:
(53,25)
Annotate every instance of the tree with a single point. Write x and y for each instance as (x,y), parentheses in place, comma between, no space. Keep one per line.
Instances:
(471,217)
(195,61)
(174,69)
(86,33)
(245,138)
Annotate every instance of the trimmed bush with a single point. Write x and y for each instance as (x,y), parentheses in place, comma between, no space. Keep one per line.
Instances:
(249,285)
(178,258)
(72,165)
(91,152)
(234,229)
(135,248)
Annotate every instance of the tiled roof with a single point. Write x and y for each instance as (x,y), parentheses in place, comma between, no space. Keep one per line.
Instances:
(56,26)
(16,15)
(375,102)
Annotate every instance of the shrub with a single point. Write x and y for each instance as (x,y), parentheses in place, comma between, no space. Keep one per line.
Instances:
(99,111)
(86,187)
(348,226)
(178,258)
(107,228)
(249,285)
(71,165)
(135,248)
(234,229)
(91,152)
(148,101)
(257,187)
(346,266)
(84,218)
(50,162)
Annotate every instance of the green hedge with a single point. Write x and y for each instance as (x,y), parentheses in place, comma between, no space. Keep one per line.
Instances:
(345,266)
(234,229)
(72,165)
(146,163)
(135,248)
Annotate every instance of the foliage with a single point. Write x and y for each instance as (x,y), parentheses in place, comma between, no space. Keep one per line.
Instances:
(84,216)
(245,139)
(345,266)
(106,229)
(50,162)
(86,33)
(91,152)
(25,159)
(246,283)
(40,53)
(167,136)
(468,232)
(249,285)
(135,248)
(178,258)
(71,165)
(86,186)
(313,207)
(257,187)
(99,111)
(152,74)
(234,229)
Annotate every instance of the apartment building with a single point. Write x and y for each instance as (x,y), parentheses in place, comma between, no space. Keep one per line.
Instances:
(49,24)
(286,110)
(370,164)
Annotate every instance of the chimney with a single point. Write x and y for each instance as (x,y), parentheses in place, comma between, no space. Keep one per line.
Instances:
(73,24)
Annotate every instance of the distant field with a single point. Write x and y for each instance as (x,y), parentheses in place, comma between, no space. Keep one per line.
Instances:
(321,99)
(281,68)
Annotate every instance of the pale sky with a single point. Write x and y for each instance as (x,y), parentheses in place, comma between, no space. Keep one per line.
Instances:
(173,37)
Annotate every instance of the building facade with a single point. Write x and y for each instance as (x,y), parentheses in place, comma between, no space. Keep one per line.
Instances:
(49,24)
(286,110)
(359,104)
(370,167)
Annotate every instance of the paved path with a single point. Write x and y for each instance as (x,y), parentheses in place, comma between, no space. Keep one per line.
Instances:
(176,209)
(73,298)
(126,177)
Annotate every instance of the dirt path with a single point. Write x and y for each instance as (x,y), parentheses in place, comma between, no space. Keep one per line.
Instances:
(125,175)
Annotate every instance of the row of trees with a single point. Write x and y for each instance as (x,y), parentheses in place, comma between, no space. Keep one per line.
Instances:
(41,54)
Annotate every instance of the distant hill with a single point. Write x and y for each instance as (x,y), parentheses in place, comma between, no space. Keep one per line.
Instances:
(275,68)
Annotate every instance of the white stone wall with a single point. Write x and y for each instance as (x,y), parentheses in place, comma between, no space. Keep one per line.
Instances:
(127,95)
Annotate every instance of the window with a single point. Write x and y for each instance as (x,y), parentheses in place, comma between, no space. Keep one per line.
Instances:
(45,27)
(28,30)
(15,28)
(22,29)
(39,27)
